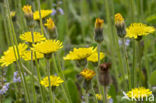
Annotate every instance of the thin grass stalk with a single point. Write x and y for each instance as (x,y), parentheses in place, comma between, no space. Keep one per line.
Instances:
(96,100)
(127,64)
(134,65)
(32,67)
(64,87)
(105,94)
(97,74)
(41,23)
(39,78)
(14,41)
(115,39)
(50,88)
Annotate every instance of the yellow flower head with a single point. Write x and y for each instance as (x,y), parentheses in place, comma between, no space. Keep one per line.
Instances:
(99,96)
(80,53)
(27,55)
(50,24)
(10,56)
(94,57)
(27,37)
(138,29)
(99,23)
(44,13)
(47,46)
(140,92)
(87,74)
(12,14)
(54,81)
(118,18)
(27,10)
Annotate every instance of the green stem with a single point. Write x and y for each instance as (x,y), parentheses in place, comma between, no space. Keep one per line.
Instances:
(48,73)
(16,51)
(32,67)
(60,73)
(134,65)
(105,94)
(97,74)
(41,23)
(127,63)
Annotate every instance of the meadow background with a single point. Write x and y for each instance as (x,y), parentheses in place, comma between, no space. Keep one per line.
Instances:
(75,28)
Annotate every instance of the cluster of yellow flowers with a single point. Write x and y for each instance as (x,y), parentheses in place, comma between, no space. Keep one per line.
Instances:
(135,30)
(27,9)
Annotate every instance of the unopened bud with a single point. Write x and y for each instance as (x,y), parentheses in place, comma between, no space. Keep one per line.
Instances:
(99,30)
(120,25)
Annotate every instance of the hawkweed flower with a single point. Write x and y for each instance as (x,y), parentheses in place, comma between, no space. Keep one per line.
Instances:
(120,25)
(51,28)
(27,55)
(98,30)
(104,75)
(94,57)
(44,13)
(88,75)
(47,47)
(55,81)
(137,30)
(27,37)
(16,77)
(80,55)
(4,89)
(10,56)
(13,15)
(139,93)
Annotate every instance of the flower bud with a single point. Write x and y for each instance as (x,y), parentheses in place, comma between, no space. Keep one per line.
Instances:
(51,28)
(28,15)
(120,25)
(98,36)
(104,75)
(13,15)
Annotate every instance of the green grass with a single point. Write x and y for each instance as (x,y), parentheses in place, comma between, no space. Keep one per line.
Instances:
(76,29)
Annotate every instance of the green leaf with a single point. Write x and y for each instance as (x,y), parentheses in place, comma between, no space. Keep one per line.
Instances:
(152,78)
(73,91)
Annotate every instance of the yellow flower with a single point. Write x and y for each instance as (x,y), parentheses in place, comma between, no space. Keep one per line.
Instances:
(27,55)
(139,29)
(80,53)
(27,10)
(9,56)
(140,92)
(87,74)
(50,24)
(94,57)
(44,13)
(12,14)
(99,23)
(27,37)
(47,46)
(99,96)
(54,81)
(118,18)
